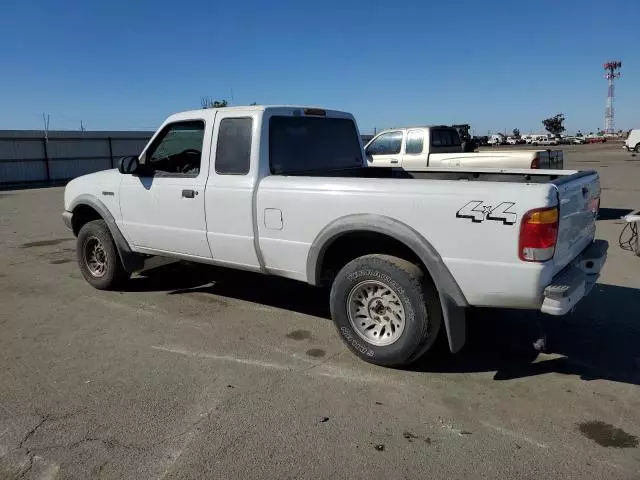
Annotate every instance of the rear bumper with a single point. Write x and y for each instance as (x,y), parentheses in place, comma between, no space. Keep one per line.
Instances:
(575,281)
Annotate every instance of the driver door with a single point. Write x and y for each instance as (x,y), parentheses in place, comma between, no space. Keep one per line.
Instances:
(163,206)
(385,150)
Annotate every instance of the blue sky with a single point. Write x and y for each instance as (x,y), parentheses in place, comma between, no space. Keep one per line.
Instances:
(494,64)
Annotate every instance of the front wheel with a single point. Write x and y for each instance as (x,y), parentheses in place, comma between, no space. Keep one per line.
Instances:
(637,149)
(385,309)
(98,257)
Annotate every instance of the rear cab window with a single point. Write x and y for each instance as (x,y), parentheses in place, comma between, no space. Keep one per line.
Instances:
(444,137)
(311,144)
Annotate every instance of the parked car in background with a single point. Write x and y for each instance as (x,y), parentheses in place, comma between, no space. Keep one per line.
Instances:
(576,140)
(440,146)
(596,139)
(536,139)
(548,141)
(632,143)
(496,140)
(285,191)
(512,141)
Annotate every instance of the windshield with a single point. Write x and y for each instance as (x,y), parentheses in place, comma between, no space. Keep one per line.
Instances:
(306,144)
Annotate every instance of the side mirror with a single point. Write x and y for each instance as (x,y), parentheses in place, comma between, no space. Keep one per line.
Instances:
(128,165)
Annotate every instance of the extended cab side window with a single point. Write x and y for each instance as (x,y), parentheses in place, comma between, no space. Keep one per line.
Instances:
(415,142)
(233,153)
(386,144)
(177,150)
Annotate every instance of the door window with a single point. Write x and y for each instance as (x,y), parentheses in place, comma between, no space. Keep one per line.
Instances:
(178,149)
(386,144)
(415,141)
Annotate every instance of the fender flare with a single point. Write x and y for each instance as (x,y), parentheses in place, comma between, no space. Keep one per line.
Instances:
(131,261)
(452,299)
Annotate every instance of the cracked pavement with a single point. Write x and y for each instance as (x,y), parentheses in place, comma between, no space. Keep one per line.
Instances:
(207,373)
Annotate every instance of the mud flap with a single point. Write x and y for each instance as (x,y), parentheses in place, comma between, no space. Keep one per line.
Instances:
(455,321)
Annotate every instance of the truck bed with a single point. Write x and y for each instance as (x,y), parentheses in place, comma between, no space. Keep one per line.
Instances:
(478,175)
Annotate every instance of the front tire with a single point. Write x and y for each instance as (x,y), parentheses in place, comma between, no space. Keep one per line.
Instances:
(98,257)
(637,149)
(385,309)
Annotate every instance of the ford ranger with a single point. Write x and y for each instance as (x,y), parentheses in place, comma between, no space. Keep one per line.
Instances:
(286,191)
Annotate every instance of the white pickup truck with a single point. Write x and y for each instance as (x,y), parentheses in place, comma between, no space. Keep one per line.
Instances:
(440,146)
(286,191)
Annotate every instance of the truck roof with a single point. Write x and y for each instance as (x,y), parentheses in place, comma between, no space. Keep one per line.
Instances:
(417,126)
(285,109)
(256,108)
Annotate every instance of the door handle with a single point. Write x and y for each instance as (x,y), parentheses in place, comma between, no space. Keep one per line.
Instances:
(394,161)
(189,193)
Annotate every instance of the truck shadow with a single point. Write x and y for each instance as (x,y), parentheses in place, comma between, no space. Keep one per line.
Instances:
(599,340)
(181,278)
(613,213)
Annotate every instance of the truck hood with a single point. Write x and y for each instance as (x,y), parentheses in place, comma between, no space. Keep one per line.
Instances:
(93,184)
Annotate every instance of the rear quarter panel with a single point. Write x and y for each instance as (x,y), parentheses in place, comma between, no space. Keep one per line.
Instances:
(452,215)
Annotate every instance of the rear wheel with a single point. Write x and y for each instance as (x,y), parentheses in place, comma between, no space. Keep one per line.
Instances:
(98,257)
(386,310)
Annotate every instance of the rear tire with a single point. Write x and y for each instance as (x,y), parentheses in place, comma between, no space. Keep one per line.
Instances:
(98,256)
(385,309)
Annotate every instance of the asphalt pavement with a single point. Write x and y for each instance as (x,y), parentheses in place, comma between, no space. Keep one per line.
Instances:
(208,373)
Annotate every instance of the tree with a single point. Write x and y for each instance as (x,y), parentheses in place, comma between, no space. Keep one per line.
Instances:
(516,133)
(207,102)
(554,125)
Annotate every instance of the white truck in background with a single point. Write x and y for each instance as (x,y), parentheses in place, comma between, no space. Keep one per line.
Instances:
(632,143)
(440,146)
(286,191)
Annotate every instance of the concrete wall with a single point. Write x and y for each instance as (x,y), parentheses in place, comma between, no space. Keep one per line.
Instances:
(27,157)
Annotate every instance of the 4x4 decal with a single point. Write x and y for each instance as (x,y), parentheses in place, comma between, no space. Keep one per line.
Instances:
(478,211)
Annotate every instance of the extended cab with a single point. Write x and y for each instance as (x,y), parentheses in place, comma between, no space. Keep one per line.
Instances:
(286,191)
(440,146)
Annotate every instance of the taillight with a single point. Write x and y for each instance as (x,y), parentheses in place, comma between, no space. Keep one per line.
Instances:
(535,163)
(538,235)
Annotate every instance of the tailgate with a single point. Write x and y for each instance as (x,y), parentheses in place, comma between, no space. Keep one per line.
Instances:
(579,199)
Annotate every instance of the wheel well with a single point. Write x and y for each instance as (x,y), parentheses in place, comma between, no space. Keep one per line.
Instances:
(352,245)
(83,214)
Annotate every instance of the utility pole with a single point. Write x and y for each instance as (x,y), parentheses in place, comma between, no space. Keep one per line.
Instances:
(45,120)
